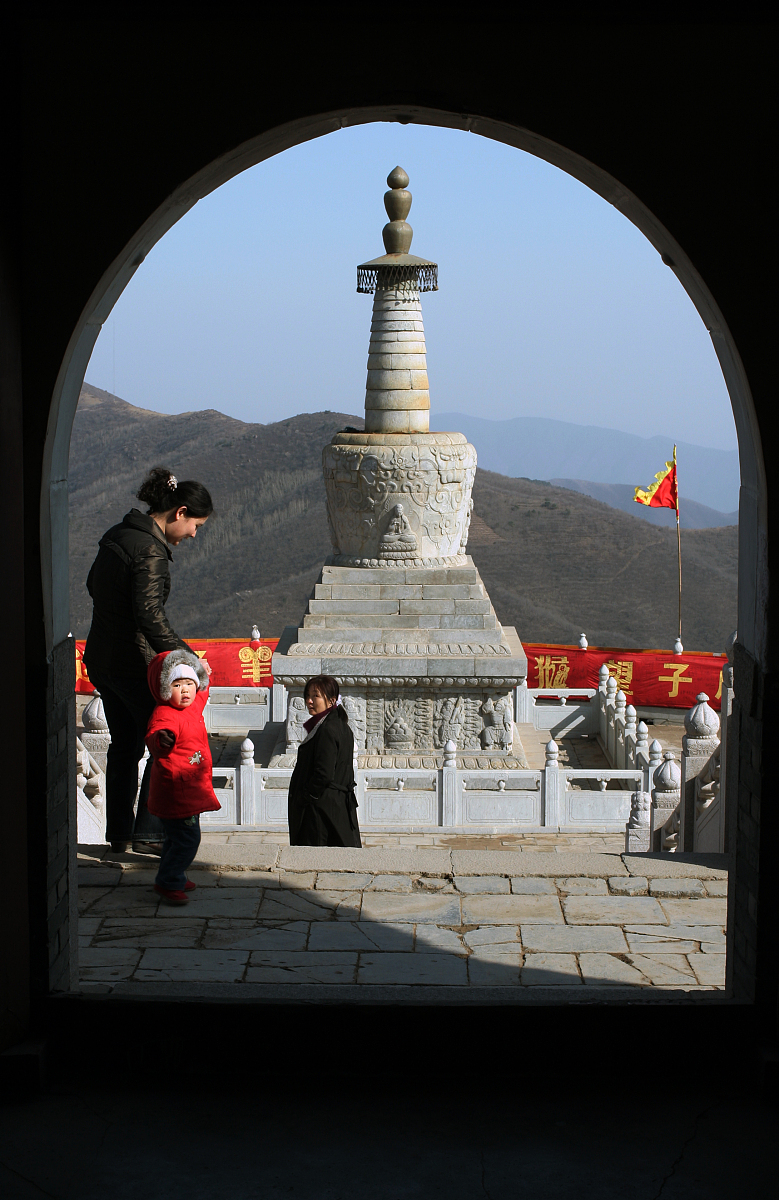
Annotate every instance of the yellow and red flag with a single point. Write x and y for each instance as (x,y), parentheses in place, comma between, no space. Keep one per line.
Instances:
(664,492)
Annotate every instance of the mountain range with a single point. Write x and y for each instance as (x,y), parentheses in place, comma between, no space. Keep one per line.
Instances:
(556,562)
(540,448)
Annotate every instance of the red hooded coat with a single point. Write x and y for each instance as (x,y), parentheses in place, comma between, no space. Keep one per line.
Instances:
(180,777)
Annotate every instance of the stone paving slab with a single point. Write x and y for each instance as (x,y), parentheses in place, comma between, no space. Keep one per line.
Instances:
(258,856)
(520,863)
(551,970)
(698,912)
(560,925)
(412,968)
(612,910)
(573,938)
(386,906)
(668,866)
(378,859)
(511,910)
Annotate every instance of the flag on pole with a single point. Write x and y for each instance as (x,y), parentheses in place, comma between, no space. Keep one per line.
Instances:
(664,492)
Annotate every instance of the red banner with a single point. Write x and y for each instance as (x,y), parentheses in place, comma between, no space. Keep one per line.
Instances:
(234,662)
(647,677)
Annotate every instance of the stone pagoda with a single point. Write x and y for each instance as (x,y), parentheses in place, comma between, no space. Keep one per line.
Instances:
(400,616)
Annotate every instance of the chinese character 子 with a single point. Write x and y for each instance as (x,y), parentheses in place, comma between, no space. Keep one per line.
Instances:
(253,661)
(553,671)
(623,674)
(676,677)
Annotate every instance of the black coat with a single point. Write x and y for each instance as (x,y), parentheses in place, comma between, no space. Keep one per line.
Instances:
(322,805)
(129,583)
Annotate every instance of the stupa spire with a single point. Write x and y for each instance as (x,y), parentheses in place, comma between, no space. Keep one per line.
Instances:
(397,396)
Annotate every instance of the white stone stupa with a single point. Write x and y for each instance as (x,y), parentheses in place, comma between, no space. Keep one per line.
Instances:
(400,616)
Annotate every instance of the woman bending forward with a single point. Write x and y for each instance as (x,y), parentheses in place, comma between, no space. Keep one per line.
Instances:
(322,804)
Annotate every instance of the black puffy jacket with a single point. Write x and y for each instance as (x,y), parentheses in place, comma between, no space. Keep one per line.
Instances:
(129,583)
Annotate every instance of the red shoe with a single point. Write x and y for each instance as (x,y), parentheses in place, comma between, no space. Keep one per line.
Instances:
(171,897)
(189,886)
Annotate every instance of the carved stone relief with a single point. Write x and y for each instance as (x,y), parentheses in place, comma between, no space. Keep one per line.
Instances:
(355,711)
(296,715)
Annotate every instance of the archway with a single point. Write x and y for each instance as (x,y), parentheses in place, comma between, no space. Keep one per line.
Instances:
(752,563)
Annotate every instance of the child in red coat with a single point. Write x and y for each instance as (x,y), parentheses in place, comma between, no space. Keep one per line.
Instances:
(181,787)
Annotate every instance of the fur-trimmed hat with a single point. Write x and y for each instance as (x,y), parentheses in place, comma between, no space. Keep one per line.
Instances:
(162,667)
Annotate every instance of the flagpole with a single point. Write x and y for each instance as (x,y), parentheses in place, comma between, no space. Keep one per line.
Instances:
(678,546)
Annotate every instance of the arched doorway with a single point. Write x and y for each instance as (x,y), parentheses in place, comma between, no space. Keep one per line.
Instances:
(753,563)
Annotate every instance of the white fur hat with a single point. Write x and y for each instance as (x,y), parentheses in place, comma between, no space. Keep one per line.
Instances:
(181,664)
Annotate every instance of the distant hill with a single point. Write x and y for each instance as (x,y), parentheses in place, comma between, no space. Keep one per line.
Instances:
(556,562)
(539,448)
(622,496)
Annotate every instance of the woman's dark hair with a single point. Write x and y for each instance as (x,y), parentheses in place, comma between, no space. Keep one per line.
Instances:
(162,492)
(329,688)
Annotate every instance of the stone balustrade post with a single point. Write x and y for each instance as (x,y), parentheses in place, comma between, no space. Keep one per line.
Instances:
(666,797)
(552,788)
(620,704)
(603,679)
(630,737)
(611,704)
(700,742)
(244,799)
(523,704)
(451,795)
(637,830)
(642,754)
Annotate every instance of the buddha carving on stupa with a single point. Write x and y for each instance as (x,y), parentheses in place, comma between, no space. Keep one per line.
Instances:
(398,540)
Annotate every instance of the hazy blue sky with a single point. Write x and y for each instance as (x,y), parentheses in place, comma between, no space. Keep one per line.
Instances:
(551,303)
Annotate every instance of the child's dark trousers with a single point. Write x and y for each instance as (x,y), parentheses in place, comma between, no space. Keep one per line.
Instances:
(182,838)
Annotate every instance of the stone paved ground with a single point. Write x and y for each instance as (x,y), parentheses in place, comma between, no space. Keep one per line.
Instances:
(400,916)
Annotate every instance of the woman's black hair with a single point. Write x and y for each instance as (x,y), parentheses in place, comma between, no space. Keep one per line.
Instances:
(330,689)
(163,492)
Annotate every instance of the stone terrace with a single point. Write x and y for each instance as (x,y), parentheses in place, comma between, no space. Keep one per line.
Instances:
(429,923)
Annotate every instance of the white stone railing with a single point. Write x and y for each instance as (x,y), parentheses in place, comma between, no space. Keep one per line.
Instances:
(564,712)
(450,797)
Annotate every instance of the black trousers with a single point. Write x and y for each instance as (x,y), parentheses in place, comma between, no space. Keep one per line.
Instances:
(128,704)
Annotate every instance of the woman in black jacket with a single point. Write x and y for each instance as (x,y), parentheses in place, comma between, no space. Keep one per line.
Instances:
(322,805)
(129,583)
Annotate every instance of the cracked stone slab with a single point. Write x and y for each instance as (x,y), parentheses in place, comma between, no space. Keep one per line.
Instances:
(550,970)
(446,969)
(290,906)
(532,887)
(676,888)
(523,863)
(432,938)
(379,860)
(475,884)
(499,970)
(696,912)
(511,910)
(216,902)
(345,906)
(193,965)
(633,885)
(125,902)
(664,970)
(488,935)
(612,910)
(101,876)
(258,879)
(307,966)
(709,968)
(148,931)
(604,970)
(669,866)
(389,906)
(351,935)
(713,935)
(249,855)
(574,939)
(583,887)
(342,881)
(646,943)
(264,937)
(391,883)
(716,887)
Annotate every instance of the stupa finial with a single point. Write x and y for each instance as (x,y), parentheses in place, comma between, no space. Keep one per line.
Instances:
(397,268)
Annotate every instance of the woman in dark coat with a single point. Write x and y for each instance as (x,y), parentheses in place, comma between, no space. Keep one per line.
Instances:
(322,804)
(129,583)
